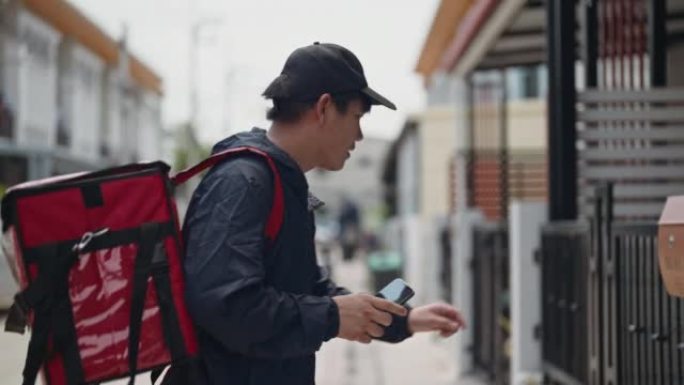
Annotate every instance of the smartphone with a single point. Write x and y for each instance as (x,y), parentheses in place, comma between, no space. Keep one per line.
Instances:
(396,291)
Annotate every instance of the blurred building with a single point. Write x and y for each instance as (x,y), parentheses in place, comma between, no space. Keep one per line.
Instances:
(72,97)
(551,99)
(417,193)
(359,180)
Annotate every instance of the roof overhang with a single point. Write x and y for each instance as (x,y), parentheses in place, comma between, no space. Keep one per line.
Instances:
(514,35)
(493,34)
(469,31)
(444,25)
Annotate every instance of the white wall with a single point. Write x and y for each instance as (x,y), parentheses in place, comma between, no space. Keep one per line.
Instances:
(431,259)
(405,235)
(437,145)
(526,124)
(408,175)
(130,124)
(150,131)
(525,223)
(12,57)
(111,117)
(461,144)
(413,252)
(37,81)
(462,284)
(84,74)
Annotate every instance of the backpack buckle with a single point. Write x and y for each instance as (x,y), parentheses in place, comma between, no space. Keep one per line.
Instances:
(87,238)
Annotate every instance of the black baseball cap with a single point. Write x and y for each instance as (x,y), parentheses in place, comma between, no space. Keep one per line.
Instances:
(320,68)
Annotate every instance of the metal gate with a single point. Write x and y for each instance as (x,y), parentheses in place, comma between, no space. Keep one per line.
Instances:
(607,319)
(491,305)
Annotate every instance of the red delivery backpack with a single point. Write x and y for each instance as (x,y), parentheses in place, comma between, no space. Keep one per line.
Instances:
(98,257)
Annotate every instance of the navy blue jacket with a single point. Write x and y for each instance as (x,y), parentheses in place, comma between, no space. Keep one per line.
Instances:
(261,310)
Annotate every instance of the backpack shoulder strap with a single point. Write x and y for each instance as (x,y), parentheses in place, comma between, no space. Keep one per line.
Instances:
(275,219)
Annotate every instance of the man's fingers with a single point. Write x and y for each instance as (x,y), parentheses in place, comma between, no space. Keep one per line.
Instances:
(388,306)
(365,339)
(381,318)
(445,325)
(459,318)
(374,330)
(451,313)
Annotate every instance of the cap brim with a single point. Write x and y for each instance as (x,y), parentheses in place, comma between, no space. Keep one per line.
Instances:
(376,98)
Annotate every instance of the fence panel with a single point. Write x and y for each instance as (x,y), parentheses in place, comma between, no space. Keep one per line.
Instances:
(491,301)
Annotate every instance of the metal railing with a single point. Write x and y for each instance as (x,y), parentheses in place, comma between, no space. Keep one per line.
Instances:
(635,140)
(495,177)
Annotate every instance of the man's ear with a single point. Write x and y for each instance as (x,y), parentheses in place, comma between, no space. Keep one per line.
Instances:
(324,102)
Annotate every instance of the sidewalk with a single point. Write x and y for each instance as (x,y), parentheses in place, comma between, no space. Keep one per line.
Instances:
(424,359)
(416,361)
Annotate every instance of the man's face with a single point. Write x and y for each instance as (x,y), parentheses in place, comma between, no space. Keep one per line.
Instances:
(339,133)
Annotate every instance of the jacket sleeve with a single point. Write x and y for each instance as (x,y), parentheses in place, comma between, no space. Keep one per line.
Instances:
(327,287)
(225,289)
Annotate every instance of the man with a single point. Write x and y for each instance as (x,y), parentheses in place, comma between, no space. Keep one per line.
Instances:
(262,309)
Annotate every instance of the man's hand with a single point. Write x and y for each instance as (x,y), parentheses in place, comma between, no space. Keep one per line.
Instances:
(436,317)
(363,316)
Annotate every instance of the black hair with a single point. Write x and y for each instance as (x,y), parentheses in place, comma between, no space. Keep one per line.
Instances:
(289,111)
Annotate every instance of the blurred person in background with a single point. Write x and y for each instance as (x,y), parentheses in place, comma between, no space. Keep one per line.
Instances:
(349,229)
(263,310)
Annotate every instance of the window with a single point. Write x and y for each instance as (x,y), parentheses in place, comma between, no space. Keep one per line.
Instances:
(38,47)
(530,82)
(6,121)
(63,132)
(85,75)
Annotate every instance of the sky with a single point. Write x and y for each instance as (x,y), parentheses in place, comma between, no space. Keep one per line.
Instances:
(242,45)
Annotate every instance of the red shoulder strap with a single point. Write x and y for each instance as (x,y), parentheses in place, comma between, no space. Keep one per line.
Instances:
(275,218)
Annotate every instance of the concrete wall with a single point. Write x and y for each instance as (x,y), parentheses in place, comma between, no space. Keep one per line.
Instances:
(526,220)
(461,145)
(82,107)
(462,284)
(111,128)
(12,57)
(405,235)
(36,88)
(431,261)
(413,252)
(409,175)
(437,141)
(526,124)
(149,143)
